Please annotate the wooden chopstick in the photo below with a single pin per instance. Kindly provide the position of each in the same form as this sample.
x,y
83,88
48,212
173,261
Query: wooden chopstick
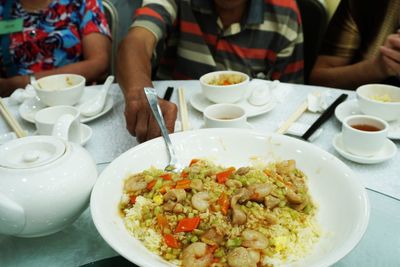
x,y
295,115
15,126
183,109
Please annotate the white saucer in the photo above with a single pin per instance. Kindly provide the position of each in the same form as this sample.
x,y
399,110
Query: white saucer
x,y
29,107
86,134
200,102
388,151
350,107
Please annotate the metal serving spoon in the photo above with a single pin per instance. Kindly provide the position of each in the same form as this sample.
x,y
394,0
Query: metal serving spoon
x,y
96,104
151,95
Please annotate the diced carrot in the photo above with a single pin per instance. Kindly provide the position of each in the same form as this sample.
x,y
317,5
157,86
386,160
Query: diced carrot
x,y
164,188
254,196
183,184
223,202
215,260
212,248
226,82
151,184
166,176
162,222
193,161
184,174
171,241
223,176
187,224
133,199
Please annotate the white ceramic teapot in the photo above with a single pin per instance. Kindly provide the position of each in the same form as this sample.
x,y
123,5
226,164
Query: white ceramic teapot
x,y
45,184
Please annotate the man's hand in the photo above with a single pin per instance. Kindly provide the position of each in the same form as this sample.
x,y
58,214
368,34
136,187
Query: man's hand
x,y
140,121
390,55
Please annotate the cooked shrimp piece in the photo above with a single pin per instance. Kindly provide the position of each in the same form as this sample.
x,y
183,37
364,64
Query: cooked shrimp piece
x,y
213,236
242,170
196,255
176,195
238,216
200,201
240,196
135,183
254,239
242,257
292,197
232,183
196,184
259,191
271,202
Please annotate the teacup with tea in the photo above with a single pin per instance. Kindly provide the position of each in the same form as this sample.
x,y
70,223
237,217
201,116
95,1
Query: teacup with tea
x,y
225,116
364,135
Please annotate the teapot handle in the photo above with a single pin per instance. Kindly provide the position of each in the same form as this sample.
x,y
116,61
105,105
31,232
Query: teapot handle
x,y
67,128
13,216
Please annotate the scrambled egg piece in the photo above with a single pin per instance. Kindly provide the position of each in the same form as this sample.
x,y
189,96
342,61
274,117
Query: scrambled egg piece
x,y
382,98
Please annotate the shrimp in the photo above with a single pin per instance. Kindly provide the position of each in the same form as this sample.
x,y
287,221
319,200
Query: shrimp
x,y
200,201
172,198
254,239
238,216
196,255
213,236
196,184
175,195
135,183
259,191
292,197
242,257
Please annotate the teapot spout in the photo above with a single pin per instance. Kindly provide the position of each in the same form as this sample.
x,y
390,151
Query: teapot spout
x,y
12,216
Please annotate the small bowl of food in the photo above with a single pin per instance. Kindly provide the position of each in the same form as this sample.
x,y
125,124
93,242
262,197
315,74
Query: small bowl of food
x,y
60,89
224,86
379,100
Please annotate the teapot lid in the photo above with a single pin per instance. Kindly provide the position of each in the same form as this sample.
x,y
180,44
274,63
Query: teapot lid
x,y
31,151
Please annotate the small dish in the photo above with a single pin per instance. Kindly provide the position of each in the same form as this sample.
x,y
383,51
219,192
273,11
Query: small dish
x,y
388,151
200,103
351,107
86,134
29,107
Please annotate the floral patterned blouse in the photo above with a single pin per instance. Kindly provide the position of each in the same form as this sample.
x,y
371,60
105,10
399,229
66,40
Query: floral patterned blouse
x,y
52,37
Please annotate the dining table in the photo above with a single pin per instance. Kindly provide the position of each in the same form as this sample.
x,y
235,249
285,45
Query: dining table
x,y
80,243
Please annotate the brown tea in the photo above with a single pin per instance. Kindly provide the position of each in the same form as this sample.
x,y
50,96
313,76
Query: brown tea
x,y
366,127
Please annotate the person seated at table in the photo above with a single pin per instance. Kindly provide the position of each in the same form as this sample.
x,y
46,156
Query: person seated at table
x,y
44,37
190,38
361,45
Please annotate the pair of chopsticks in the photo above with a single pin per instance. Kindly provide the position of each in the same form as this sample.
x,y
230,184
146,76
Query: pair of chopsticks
x,y
324,116
321,119
15,126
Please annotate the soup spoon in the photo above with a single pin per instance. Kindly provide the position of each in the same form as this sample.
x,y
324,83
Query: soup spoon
x,y
96,104
151,95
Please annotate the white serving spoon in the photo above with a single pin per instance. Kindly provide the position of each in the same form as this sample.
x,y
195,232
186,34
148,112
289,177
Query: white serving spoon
x,y
96,104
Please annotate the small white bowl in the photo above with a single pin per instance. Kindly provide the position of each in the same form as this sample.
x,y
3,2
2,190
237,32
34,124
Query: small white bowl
x,y
368,100
224,93
60,89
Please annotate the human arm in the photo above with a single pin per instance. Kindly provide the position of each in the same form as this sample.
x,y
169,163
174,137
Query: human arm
x,y
93,66
328,69
134,73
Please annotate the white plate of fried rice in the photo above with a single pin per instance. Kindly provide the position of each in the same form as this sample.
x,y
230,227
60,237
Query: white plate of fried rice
x,y
335,218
